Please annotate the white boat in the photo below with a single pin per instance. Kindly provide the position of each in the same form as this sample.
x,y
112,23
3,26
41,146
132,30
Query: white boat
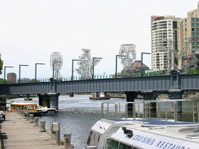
x,y
144,131
47,111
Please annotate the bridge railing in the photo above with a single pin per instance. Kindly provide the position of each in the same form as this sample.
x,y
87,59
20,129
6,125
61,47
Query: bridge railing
x,y
166,111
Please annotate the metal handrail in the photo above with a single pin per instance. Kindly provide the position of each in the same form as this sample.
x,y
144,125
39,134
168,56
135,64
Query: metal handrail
x,y
146,105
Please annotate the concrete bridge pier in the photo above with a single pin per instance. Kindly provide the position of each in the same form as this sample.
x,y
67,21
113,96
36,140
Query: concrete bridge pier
x,y
176,94
54,97
130,97
49,100
150,95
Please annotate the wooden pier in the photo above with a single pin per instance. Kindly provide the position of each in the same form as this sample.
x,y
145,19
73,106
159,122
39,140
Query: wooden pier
x,y
21,134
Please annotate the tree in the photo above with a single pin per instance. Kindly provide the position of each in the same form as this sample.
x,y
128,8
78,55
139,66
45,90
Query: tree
x,y
1,66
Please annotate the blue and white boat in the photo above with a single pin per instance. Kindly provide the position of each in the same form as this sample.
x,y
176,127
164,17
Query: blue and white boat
x,y
172,124
44,111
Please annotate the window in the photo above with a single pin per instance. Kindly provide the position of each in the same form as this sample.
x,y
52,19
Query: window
x,y
192,24
112,144
89,138
192,20
197,20
197,24
193,29
124,146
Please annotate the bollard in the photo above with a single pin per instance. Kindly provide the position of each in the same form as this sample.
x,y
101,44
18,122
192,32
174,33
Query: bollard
x,y
52,132
42,126
28,116
31,118
25,115
67,139
36,119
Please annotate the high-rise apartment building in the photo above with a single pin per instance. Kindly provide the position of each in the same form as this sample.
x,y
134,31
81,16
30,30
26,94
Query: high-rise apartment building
x,y
12,77
188,36
163,42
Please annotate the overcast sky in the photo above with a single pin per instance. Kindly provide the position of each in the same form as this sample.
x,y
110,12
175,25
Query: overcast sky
x,y
30,30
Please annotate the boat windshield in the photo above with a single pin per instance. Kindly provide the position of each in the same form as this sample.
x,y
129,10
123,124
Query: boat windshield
x,y
112,144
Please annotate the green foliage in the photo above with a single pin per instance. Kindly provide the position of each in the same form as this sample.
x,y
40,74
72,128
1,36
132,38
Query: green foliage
x,y
7,82
193,71
1,66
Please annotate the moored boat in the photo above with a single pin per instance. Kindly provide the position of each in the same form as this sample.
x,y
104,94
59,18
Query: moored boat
x,y
139,126
99,96
47,111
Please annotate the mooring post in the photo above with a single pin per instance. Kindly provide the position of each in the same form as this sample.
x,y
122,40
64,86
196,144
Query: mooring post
x,y
57,133
28,116
42,126
56,129
67,139
31,118
36,119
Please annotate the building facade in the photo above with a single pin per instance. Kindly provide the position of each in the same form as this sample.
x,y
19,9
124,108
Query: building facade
x,y
12,77
164,43
188,37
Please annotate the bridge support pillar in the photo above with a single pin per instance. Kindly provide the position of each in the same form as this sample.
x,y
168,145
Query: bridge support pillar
x,y
150,95
44,100
176,94
130,97
53,97
49,100
71,94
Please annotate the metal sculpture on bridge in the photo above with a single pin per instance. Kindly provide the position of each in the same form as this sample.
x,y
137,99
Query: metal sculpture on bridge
x,y
129,52
86,64
190,56
56,63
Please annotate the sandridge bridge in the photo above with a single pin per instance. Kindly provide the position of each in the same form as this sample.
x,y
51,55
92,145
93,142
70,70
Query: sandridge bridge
x,y
149,87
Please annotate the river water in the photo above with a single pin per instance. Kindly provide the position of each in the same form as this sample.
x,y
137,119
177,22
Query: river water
x,y
76,116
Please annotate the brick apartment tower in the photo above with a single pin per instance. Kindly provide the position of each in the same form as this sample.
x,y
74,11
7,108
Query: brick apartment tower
x,y
12,77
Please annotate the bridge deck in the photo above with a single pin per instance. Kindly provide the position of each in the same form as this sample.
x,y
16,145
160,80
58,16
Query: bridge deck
x,y
23,135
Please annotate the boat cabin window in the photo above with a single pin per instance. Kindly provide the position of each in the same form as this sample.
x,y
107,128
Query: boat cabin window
x,y
124,146
112,144
89,138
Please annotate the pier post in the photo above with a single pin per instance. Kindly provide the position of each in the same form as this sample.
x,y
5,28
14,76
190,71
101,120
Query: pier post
x,y
67,140
130,97
42,126
31,118
36,119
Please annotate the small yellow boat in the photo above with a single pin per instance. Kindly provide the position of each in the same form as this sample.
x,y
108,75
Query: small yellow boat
x,y
29,107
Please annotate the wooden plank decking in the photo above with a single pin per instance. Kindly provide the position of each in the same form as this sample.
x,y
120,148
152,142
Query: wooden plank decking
x,y
23,135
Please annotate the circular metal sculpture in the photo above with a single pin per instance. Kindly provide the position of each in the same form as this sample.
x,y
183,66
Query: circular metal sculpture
x,y
56,63
86,64
129,52
190,56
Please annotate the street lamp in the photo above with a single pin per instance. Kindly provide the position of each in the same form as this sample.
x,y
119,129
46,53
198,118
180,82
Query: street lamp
x,y
73,67
4,81
36,70
20,71
116,63
94,65
142,62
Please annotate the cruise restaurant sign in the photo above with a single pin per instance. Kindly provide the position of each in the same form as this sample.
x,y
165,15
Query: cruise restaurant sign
x,y
152,141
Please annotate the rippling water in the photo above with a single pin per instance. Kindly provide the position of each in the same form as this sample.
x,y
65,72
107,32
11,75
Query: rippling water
x,y
76,116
